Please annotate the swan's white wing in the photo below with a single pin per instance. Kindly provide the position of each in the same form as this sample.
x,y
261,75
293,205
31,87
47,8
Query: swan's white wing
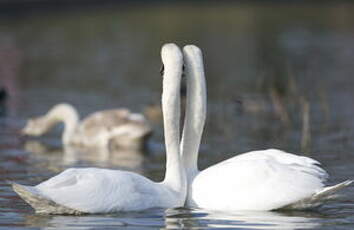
x,y
298,163
94,190
259,180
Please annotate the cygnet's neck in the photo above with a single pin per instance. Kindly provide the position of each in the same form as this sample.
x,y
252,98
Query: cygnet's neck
x,y
68,115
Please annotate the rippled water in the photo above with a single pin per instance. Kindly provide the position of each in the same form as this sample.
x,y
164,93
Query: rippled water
x,y
269,68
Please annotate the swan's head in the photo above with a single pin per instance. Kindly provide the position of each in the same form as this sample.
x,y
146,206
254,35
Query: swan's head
x,y
192,51
35,127
193,59
171,57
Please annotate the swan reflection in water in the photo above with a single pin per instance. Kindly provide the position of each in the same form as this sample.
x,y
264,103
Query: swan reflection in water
x,y
243,219
179,218
56,158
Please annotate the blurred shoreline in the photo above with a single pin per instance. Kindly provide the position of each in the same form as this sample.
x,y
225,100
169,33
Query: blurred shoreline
x,y
11,6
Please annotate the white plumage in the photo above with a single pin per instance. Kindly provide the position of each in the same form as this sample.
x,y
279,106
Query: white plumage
x,y
95,190
258,180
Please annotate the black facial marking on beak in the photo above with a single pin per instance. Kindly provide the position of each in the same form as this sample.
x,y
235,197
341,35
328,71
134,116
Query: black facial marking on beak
x,y
162,70
183,71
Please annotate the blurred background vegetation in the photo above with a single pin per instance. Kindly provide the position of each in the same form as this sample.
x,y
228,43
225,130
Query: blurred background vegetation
x,y
279,73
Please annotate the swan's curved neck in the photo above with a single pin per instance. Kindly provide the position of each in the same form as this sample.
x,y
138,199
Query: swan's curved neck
x,y
175,175
195,110
68,115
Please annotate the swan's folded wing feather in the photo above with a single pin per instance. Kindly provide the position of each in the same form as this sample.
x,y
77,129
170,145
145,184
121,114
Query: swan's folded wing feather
x,y
259,180
94,190
87,189
64,179
297,163
78,189
301,163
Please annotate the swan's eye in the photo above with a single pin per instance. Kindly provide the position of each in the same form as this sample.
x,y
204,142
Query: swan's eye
x,y
162,70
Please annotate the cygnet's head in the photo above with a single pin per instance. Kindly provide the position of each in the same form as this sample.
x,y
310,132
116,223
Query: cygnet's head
x,y
59,113
35,127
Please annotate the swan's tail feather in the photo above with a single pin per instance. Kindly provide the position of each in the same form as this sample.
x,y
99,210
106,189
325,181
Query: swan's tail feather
x,y
40,204
319,198
327,192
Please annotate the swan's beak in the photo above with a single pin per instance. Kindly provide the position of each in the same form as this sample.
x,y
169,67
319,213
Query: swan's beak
x,y
162,70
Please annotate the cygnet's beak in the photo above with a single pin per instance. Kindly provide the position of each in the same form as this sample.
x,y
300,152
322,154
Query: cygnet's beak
x,y
23,131
21,134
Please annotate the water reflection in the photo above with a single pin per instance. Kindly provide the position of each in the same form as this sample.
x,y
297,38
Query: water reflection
x,y
73,222
240,220
177,219
153,218
57,158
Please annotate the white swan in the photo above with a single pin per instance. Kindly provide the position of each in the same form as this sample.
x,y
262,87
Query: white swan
x,y
94,190
117,127
258,180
